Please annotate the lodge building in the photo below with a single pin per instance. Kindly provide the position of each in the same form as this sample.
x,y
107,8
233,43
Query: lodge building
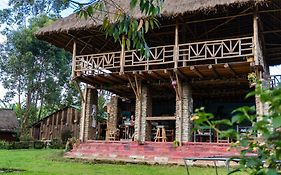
x,y
201,55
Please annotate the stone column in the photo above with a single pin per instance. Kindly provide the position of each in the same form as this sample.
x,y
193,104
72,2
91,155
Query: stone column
x,y
184,110
112,116
89,111
143,109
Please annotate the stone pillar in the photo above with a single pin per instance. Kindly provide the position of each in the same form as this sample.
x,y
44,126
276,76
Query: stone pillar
x,y
184,110
112,116
143,109
89,112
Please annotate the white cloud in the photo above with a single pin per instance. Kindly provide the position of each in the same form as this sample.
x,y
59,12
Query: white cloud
x,y
3,4
275,70
2,38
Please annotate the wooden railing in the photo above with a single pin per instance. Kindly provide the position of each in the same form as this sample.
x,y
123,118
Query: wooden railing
x,y
168,56
275,80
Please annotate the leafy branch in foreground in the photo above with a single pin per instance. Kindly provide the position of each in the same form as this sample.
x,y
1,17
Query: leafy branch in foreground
x,y
260,145
119,23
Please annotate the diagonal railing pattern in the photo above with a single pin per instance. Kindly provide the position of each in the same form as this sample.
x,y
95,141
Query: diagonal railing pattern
x,y
169,56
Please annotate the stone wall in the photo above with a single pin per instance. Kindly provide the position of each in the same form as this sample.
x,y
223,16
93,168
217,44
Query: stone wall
x,y
184,110
112,115
143,109
91,97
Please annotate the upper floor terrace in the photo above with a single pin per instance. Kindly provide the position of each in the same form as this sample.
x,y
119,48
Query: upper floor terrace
x,y
197,40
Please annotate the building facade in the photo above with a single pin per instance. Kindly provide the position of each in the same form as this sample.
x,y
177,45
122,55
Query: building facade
x,y
201,55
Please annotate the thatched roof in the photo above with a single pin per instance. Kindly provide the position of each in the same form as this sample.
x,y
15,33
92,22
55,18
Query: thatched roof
x,y
8,121
171,8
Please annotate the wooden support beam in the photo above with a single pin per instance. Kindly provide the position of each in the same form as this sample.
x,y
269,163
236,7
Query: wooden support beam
x,y
196,71
176,46
73,75
256,36
230,70
214,71
135,85
222,24
122,56
158,75
180,74
76,84
81,51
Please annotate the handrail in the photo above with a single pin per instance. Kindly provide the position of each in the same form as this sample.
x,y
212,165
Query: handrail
x,y
275,80
168,56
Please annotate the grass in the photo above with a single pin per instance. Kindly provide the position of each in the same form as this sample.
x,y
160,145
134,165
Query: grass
x,y
51,162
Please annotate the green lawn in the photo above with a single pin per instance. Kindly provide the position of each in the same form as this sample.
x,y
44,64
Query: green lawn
x,y
50,162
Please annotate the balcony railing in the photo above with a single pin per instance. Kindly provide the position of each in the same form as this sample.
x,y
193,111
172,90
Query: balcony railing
x,y
275,80
169,56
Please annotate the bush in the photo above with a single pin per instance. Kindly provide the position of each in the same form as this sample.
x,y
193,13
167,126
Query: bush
x,y
56,144
263,138
23,145
38,145
65,135
4,145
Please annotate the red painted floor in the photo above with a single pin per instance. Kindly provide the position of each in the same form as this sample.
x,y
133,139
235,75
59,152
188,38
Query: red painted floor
x,y
149,152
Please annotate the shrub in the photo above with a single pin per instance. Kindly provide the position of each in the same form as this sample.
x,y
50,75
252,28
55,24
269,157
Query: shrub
x,y
4,145
23,145
56,144
65,135
263,138
38,145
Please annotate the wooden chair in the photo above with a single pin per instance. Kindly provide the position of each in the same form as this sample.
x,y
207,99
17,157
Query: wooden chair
x,y
113,135
222,139
160,134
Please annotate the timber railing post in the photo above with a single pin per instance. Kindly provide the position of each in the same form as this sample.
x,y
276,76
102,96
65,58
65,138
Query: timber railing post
x,y
122,56
256,37
73,60
176,47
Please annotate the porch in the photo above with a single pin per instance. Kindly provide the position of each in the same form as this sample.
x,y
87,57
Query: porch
x,y
148,152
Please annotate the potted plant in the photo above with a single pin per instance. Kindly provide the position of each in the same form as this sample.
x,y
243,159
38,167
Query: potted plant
x,y
252,77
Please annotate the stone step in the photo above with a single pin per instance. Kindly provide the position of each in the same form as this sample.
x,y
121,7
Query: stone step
x,y
150,152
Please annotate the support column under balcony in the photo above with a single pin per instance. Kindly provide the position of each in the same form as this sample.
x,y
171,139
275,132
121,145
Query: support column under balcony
x,y
112,116
184,109
89,112
143,109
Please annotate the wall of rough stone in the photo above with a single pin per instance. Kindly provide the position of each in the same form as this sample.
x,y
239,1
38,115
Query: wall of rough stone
x,y
184,110
143,109
91,99
112,116
187,111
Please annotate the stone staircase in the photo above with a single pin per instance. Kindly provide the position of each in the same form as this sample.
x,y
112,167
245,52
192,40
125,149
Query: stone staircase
x,y
148,152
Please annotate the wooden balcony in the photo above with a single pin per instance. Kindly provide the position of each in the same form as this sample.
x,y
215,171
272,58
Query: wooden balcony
x,y
166,57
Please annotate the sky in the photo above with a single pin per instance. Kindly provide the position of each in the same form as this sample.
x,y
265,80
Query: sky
x,y
4,4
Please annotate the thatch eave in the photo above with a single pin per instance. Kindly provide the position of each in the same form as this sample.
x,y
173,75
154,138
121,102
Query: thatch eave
x,y
170,10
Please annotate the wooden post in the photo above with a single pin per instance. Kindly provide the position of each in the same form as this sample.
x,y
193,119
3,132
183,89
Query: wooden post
x,y
53,126
83,116
122,56
184,35
176,47
74,60
256,36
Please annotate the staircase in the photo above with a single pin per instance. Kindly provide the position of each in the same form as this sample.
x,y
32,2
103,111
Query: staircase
x,y
148,152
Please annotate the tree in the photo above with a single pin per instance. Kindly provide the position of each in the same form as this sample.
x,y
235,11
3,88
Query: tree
x,y
263,138
117,21
35,70
29,66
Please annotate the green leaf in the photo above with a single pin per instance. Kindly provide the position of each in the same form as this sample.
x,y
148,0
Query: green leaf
x,y
146,26
276,122
133,4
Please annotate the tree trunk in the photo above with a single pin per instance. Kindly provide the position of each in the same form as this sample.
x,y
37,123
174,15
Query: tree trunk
x,y
24,125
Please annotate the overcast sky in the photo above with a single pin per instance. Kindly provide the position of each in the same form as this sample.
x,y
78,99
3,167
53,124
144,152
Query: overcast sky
x,y
4,4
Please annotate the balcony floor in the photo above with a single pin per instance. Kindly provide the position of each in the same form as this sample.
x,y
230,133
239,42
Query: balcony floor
x,y
218,76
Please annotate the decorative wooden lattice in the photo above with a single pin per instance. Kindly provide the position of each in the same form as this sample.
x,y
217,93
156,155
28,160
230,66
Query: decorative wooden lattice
x,y
169,56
